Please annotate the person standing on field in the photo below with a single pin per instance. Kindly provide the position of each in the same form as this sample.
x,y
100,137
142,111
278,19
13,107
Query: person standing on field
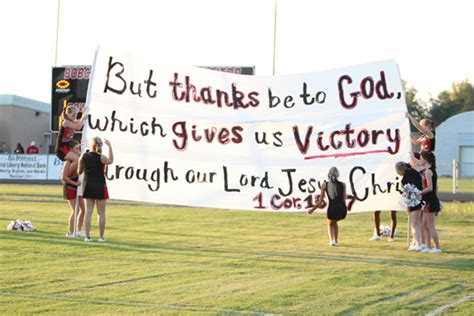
x,y
92,163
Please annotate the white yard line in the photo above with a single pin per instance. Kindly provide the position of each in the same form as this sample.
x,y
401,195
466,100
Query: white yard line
x,y
441,309
130,303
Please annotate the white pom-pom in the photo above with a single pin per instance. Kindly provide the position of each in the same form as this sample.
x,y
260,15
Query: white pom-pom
x,y
411,195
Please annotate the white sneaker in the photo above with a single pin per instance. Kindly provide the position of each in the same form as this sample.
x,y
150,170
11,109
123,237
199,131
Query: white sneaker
x,y
332,243
375,238
436,250
426,250
102,240
80,234
390,239
415,248
70,235
87,239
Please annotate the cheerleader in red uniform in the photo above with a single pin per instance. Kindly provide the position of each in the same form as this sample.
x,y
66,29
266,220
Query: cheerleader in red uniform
x,y
427,139
69,124
71,182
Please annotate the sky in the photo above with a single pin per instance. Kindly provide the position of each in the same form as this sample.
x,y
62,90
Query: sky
x,y
431,40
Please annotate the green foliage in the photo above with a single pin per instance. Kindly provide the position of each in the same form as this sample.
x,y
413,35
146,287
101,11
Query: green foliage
x,y
416,107
449,103
197,261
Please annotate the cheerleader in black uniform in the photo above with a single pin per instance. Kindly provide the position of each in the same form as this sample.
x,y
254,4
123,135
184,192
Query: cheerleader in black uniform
x,y
411,176
71,181
93,163
337,209
432,206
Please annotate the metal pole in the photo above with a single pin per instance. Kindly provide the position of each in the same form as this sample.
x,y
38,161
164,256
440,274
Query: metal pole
x,y
455,177
74,231
57,35
274,37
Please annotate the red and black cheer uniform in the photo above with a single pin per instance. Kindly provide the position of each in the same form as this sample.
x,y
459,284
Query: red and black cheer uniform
x,y
70,190
431,198
426,143
94,184
66,134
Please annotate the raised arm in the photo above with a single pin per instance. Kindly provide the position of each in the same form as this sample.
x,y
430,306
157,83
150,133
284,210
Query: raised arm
x,y
107,160
421,129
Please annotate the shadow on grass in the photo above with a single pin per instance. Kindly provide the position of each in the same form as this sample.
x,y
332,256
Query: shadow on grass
x,y
237,254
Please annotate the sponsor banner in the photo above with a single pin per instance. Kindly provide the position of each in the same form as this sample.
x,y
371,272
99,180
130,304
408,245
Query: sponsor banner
x,y
189,136
54,168
30,167
23,167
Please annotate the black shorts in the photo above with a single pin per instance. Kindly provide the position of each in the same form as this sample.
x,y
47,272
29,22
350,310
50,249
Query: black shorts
x,y
415,208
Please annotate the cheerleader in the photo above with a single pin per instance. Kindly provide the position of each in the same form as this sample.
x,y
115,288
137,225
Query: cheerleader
x,y
337,209
430,196
413,177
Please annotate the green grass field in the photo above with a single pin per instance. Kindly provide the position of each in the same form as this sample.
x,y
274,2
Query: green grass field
x,y
465,185
172,260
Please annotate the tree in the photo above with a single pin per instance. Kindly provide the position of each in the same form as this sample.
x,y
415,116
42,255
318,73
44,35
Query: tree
x,y
449,103
416,107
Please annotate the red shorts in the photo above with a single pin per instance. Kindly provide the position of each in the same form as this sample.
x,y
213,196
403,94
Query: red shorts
x,y
69,193
62,151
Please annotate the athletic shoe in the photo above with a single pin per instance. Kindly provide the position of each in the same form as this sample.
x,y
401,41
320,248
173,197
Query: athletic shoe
x,y
435,250
415,248
70,235
375,238
332,243
80,234
102,239
426,250
390,239
87,239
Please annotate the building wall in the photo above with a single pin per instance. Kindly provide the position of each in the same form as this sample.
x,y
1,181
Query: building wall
x,y
20,125
5,131
452,136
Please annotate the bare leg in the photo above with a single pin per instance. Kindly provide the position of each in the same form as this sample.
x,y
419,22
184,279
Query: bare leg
x,y
336,231
423,238
393,225
88,216
101,219
415,221
329,230
377,222
426,232
70,226
430,221
82,210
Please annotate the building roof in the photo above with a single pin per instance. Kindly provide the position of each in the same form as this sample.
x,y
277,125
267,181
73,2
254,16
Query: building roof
x,y
30,104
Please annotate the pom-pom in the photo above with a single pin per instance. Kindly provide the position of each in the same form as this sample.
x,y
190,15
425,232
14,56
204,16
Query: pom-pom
x,y
20,224
411,195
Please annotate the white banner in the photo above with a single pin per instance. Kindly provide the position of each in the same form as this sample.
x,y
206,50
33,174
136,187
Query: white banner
x,y
190,136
